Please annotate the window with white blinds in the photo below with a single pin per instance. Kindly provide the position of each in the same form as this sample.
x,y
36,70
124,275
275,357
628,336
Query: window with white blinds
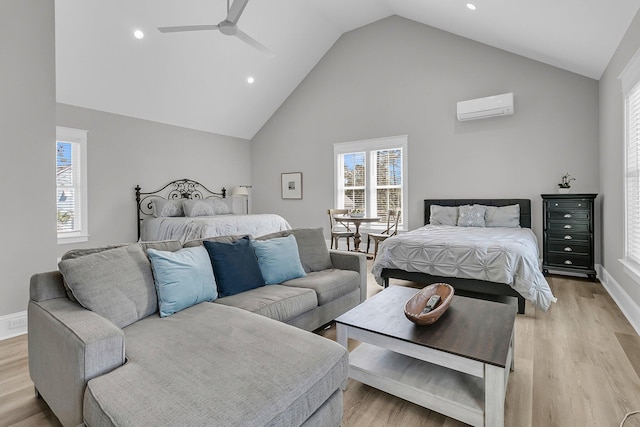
x,y
632,174
370,176
71,185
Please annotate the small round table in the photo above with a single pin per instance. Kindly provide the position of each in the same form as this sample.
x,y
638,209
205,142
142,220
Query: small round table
x,y
356,220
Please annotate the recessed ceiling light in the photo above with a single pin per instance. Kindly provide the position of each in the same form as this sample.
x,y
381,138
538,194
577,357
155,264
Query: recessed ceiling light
x,y
250,80
471,6
138,34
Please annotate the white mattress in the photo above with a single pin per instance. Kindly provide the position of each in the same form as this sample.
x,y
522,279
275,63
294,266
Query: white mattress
x,y
189,228
496,254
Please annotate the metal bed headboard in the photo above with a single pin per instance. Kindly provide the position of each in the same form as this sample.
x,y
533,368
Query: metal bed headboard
x,y
178,189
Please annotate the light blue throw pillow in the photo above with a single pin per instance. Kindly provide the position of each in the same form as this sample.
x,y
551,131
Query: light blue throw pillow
x,y
182,278
278,259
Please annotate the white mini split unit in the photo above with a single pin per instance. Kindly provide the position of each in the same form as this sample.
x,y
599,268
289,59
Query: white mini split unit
x,y
482,108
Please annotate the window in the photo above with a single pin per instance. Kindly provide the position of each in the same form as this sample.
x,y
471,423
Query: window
x,y
71,185
370,176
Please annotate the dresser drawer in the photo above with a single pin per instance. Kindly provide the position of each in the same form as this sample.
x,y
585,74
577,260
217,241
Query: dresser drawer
x,y
567,215
569,247
567,237
568,204
569,226
564,260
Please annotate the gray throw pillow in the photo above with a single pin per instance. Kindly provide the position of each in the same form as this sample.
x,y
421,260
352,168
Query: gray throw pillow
x,y
312,247
116,284
471,216
443,215
502,216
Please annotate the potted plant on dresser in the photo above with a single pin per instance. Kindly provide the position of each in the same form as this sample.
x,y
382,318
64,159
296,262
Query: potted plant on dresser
x,y
564,187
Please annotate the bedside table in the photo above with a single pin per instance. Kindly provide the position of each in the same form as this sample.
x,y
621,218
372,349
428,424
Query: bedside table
x,y
568,233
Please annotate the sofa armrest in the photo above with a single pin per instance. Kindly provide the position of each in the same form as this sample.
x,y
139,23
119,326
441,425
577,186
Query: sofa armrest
x,y
69,345
352,261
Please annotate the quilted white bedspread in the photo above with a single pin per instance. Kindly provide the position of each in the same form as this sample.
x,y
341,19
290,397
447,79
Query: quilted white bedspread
x,y
189,228
496,254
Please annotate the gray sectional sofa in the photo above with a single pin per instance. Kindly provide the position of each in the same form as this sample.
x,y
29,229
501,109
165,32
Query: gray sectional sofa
x,y
234,362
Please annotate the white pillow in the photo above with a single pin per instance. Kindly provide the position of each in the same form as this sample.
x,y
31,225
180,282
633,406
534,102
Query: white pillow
x,y
443,215
206,207
163,207
502,216
471,216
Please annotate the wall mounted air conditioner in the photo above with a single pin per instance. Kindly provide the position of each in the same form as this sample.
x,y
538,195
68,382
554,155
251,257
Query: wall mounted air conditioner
x,y
482,108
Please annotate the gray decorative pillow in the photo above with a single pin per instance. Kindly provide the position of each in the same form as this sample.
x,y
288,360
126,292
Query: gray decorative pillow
x,y
312,247
443,215
197,207
117,283
162,207
502,216
471,216
206,207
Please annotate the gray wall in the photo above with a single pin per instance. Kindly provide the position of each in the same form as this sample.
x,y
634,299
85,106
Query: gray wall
x,y
612,160
396,77
124,151
27,135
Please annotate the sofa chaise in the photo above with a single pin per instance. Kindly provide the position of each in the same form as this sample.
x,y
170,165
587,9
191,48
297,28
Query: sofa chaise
x,y
241,360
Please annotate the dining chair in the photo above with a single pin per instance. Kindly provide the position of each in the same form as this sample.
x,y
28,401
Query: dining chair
x,y
393,218
337,233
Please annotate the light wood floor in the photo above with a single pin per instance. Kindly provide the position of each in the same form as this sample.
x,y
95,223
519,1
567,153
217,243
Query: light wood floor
x,y
576,365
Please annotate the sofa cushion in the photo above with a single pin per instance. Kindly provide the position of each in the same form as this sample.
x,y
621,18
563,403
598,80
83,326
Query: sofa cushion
x,y
216,365
275,301
328,284
235,266
312,247
116,283
183,278
278,259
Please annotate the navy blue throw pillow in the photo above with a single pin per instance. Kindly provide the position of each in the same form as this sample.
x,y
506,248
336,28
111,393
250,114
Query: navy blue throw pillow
x,y
235,266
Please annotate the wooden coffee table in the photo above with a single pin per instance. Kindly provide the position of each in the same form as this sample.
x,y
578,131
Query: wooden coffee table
x,y
458,366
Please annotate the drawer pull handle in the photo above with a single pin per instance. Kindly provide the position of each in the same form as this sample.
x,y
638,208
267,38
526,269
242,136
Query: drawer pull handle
x,y
568,262
568,249
568,216
568,226
568,237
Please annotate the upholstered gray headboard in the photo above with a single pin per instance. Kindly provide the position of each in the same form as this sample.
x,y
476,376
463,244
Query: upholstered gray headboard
x,y
525,206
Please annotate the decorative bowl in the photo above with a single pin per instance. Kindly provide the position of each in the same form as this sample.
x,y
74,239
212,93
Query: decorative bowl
x,y
413,308
356,215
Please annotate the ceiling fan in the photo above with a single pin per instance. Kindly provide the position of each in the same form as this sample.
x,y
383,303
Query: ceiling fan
x,y
228,27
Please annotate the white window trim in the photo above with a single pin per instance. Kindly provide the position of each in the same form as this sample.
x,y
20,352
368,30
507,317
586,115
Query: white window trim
x,y
629,78
79,136
368,145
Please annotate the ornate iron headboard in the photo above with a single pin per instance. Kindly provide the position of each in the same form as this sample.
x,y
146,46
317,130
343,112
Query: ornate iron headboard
x,y
178,189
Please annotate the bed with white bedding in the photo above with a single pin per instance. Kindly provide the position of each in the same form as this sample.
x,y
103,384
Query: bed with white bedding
x,y
489,259
185,210
187,228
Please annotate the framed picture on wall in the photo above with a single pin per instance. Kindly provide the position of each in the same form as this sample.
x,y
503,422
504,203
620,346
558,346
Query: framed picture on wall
x,y
292,185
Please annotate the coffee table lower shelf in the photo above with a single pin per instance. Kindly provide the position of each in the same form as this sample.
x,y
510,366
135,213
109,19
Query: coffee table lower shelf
x,y
449,392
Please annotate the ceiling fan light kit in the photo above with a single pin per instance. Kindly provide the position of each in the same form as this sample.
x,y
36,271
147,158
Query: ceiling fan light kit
x,y
228,27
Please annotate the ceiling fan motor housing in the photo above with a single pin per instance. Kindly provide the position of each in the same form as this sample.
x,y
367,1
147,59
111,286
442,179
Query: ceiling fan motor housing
x,y
228,28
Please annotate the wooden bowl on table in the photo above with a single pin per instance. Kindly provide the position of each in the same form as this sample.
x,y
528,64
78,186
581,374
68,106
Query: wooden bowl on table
x,y
413,308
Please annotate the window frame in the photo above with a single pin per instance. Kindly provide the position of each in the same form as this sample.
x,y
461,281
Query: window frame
x,y
370,147
78,139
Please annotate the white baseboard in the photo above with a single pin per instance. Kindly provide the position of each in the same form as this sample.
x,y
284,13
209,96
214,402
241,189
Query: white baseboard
x,y
629,308
8,329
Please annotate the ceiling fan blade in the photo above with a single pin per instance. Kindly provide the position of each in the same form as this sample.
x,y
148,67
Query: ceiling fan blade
x,y
254,43
187,28
236,10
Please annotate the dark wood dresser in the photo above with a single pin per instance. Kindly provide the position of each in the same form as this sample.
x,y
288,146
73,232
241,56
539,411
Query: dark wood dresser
x,y
568,233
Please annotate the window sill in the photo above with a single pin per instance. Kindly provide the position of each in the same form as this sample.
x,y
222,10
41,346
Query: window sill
x,y
631,269
75,238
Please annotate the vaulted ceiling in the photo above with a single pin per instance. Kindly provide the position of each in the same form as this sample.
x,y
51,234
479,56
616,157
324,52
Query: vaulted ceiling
x,y
198,79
